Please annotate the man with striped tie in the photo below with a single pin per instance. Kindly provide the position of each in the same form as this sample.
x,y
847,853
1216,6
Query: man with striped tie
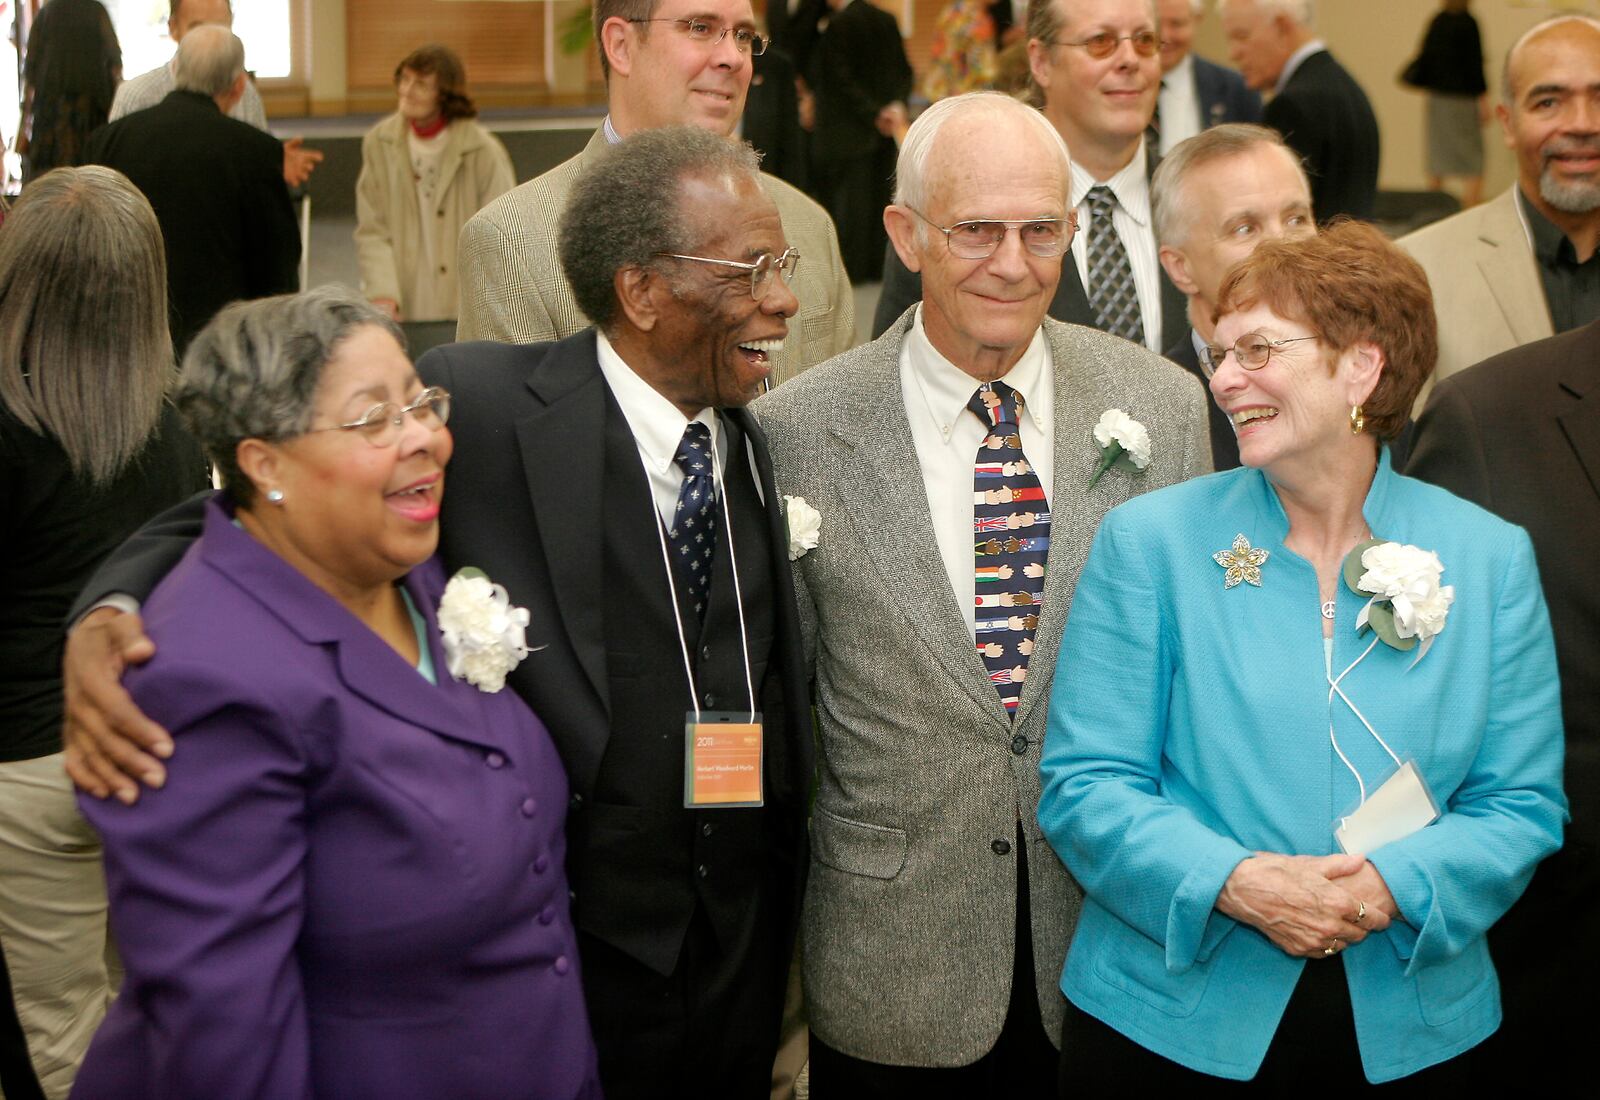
x,y
954,464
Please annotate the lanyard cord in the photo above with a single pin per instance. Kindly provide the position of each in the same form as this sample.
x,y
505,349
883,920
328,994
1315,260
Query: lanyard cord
x,y
1335,689
738,595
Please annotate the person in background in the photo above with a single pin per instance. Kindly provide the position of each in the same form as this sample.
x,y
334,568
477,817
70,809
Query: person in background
x,y
70,72
1216,197
425,170
148,89
1195,93
89,450
1449,67
353,881
1263,663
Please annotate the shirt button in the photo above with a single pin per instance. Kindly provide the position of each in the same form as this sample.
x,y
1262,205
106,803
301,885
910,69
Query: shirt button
x,y
541,864
702,870
529,807
705,653
575,802
1019,744
495,761
547,915
709,700
707,829
561,965
1001,847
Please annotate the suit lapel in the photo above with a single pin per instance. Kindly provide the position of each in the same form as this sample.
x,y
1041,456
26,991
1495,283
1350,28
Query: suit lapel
x,y
1506,263
891,518
1581,425
1071,303
563,455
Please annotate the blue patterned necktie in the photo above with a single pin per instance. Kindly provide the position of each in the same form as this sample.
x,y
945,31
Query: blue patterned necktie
x,y
693,534
1011,540
1112,295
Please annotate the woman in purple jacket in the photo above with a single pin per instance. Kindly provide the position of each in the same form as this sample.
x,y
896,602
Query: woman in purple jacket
x,y
351,884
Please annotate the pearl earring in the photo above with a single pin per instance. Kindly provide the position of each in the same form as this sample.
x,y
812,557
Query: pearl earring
x,y
275,496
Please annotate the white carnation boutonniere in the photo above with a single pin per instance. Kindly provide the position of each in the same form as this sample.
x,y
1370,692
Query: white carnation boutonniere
x,y
805,526
1406,605
483,633
1123,442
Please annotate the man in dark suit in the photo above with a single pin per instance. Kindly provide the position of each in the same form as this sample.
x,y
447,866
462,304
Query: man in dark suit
x,y
860,77
1316,105
216,185
1195,93
1520,435
771,119
585,472
1216,197
1101,106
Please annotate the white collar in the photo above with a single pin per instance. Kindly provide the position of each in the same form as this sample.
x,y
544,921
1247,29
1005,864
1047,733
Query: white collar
x,y
1296,59
1130,185
612,137
1182,71
656,423
946,388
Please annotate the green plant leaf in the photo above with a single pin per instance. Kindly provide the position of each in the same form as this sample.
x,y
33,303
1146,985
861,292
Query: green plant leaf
x,y
575,33
1353,569
467,572
1382,620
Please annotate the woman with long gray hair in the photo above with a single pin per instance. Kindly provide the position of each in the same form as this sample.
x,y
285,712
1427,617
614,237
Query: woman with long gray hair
x,y
89,449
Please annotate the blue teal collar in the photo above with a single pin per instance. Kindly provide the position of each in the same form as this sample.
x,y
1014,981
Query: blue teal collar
x,y
1376,510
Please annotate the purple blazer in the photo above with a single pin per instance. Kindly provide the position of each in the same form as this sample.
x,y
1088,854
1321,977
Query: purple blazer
x,y
352,883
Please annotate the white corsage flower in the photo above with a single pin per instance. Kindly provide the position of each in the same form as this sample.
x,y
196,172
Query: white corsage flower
x,y
1407,603
805,526
1123,442
483,634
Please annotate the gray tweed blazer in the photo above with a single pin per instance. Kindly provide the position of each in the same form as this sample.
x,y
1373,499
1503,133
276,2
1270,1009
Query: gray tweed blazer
x,y
909,917
513,289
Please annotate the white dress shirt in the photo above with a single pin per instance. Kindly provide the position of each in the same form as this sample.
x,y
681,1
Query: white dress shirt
x,y
1133,224
947,435
657,426
1296,59
1179,105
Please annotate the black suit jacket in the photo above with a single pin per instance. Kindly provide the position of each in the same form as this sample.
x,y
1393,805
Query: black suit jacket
x,y
217,188
1223,96
771,121
1519,434
1325,117
857,68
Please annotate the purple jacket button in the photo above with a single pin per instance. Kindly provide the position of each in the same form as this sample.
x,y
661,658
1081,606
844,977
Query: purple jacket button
x,y
495,761
529,806
562,965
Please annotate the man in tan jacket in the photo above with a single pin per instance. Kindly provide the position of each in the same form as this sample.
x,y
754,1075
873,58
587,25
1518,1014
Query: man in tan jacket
x,y
662,68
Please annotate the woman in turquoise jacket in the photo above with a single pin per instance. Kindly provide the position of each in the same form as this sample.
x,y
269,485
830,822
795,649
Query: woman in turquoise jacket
x,y
1260,658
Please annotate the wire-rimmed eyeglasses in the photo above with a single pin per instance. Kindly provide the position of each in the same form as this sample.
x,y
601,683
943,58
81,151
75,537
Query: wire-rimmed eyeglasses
x,y
711,31
980,238
1251,351
1103,45
761,269
382,424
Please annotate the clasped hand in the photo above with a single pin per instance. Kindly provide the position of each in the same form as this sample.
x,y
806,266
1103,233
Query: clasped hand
x,y
1308,904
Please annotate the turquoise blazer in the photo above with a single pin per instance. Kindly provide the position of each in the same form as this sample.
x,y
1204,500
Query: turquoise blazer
x,y
1189,729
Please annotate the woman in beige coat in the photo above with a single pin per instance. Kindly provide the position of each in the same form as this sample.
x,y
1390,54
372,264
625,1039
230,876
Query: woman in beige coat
x,y
425,170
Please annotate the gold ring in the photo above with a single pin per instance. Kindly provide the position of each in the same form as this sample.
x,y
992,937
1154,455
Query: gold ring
x,y
1326,951
1361,911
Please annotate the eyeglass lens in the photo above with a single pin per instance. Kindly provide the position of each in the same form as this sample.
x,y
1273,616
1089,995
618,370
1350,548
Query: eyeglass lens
x,y
382,424
1104,44
979,240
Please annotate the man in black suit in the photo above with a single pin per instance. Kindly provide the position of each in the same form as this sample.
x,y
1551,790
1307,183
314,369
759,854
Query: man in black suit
x,y
1520,435
1216,197
573,484
216,185
1316,105
1195,93
860,78
771,119
1101,104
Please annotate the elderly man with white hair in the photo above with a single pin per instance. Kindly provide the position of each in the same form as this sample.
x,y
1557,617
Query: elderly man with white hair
x,y
958,467
1316,104
1195,93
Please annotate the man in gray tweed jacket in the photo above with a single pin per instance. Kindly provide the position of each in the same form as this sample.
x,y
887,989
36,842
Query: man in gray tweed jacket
x,y
936,918
662,68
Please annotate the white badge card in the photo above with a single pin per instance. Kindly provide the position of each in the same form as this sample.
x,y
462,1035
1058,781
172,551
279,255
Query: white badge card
x,y
1397,809
722,756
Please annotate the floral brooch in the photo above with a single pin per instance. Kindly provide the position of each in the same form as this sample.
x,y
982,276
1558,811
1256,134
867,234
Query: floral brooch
x,y
805,526
483,633
1123,443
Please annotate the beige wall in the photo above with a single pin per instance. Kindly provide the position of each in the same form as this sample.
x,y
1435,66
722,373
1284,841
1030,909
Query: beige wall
x,y
1375,38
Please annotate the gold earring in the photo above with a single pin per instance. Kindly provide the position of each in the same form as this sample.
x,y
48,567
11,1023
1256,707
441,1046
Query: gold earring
x,y
1358,423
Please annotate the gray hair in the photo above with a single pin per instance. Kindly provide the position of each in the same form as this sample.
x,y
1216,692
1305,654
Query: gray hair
x,y
1167,198
85,351
912,170
1507,96
624,208
210,59
1303,12
253,372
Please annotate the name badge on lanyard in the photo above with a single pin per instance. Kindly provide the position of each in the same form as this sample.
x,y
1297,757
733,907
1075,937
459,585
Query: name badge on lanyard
x,y
722,756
